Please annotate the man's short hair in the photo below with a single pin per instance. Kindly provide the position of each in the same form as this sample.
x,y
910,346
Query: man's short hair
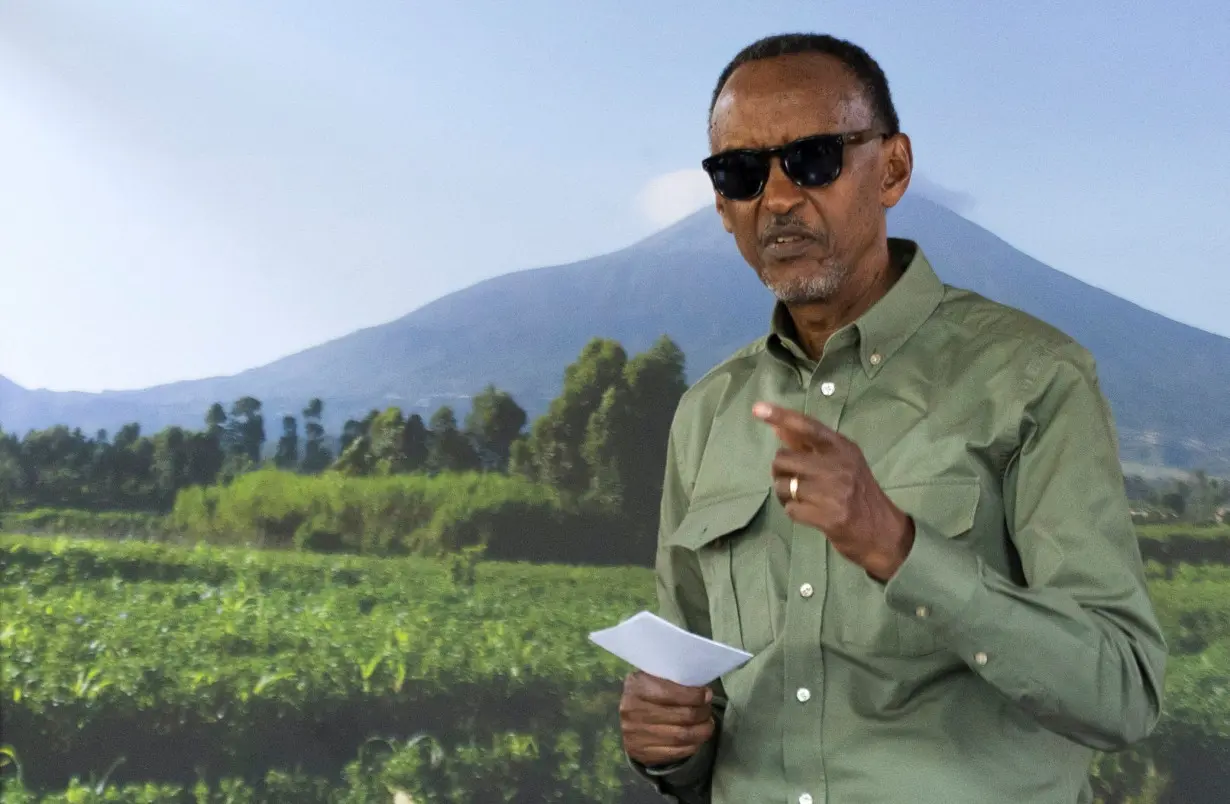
x,y
857,60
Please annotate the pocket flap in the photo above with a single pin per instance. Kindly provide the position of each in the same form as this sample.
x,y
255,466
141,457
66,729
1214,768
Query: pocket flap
x,y
711,520
946,506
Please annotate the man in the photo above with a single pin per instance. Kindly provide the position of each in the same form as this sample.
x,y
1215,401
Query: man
x,y
905,501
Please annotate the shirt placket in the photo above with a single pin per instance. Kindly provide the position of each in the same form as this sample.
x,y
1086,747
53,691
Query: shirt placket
x,y
827,389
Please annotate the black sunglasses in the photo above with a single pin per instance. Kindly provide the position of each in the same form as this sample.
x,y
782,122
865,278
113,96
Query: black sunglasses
x,y
815,161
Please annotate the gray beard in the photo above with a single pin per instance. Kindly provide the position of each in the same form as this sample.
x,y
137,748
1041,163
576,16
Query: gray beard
x,y
819,287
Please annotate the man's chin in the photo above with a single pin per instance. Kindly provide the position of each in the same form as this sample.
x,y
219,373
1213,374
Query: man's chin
x,y
809,290
797,297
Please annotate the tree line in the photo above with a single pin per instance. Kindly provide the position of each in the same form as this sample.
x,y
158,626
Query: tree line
x,y
601,443
1197,499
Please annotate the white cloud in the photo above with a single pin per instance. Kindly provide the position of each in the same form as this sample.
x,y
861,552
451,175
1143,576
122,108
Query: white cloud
x,y
673,196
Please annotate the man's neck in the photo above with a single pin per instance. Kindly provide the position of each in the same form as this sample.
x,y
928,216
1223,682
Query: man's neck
x,y
815,323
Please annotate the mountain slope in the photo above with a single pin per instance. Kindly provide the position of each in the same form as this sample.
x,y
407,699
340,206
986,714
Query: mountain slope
x,y
520,330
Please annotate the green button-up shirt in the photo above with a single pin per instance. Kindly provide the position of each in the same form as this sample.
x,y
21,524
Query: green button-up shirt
x,y
1018,636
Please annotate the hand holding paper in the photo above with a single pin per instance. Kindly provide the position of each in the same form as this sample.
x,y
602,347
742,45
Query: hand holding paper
x,y
665,650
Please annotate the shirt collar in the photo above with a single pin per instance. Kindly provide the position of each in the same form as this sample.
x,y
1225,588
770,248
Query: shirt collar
x,y
884,328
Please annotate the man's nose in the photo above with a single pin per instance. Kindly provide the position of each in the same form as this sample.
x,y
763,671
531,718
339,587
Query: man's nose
x,y
780,194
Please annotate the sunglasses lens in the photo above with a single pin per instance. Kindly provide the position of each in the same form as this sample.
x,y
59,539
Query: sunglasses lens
x,y
813,162
737,175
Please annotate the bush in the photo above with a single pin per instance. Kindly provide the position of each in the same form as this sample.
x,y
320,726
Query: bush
x,y
512,518
1171,546
92,524
397,515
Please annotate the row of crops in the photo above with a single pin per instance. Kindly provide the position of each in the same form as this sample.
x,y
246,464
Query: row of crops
x,y
140,672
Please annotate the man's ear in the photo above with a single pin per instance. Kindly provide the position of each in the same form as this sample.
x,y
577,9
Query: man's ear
x,y
898,168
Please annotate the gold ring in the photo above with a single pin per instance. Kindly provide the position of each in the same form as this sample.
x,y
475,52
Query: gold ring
x,y
794,488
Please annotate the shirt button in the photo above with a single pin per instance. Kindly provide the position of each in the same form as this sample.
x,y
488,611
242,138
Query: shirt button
x,y
805,590
804,695
875,358
805,799
827,388
980,657
922,611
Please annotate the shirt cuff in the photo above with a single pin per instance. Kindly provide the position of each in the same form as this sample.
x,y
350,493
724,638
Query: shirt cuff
x,y
937,581
682,781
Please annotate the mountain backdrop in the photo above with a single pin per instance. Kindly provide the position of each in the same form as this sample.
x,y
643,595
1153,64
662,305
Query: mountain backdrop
x,y
1169,384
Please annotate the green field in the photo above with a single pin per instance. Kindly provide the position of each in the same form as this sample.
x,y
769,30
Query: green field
x,y
216,674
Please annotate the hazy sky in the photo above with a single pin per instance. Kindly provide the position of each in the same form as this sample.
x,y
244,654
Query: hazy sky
x,y
193,188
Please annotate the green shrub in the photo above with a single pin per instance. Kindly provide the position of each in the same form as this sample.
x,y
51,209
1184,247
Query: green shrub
x,y
95,524
1173,545
396,515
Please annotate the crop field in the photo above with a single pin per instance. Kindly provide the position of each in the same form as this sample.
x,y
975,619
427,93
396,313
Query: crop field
x,y
139,672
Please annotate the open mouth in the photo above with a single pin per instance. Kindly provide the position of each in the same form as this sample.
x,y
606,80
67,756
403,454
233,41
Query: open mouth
x,y
787,247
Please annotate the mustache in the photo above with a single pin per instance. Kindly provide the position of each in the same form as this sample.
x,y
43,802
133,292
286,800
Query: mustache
x,y
790,227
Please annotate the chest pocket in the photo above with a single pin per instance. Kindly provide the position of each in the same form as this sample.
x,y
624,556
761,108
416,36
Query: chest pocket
x,y
865,621
729,538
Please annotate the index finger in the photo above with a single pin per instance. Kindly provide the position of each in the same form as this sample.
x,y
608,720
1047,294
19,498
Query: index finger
x,y
654,689
791,423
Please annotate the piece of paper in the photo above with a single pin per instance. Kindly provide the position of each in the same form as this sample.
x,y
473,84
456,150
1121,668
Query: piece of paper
x,y
663,649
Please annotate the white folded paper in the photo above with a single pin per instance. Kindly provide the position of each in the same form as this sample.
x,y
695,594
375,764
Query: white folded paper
x,y
665,650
